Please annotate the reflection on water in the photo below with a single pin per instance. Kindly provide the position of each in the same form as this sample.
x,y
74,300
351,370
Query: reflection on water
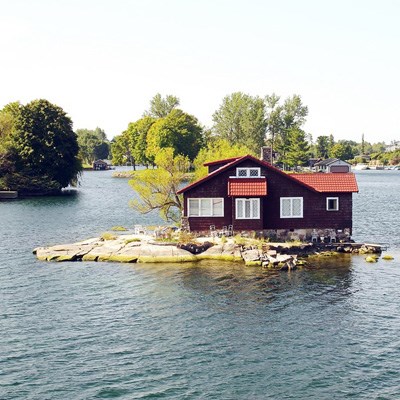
x,y
204,330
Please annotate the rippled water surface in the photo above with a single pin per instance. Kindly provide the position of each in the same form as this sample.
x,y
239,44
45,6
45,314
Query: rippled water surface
x,y
195,331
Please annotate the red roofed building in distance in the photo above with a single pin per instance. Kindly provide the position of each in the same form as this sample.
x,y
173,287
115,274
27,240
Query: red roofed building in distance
x,y
252,195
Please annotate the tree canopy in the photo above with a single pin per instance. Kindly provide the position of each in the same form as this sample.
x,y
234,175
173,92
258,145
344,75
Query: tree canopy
x,y
179,131
217,149
240,119
41,149
93,144
160,107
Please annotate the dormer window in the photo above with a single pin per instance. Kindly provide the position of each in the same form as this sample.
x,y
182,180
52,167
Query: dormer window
x,y
248,172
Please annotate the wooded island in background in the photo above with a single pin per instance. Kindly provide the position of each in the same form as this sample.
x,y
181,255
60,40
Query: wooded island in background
x,y
40,153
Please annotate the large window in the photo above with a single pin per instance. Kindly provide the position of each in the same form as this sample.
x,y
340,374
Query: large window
x,y
291,207
332,203
248,172
206,207
247,208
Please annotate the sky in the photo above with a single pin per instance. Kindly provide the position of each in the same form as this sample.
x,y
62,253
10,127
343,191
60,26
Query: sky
x,y
103,60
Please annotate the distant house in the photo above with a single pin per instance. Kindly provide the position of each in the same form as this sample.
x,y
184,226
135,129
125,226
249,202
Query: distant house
x,y
332,165
394,145
252,195
100,165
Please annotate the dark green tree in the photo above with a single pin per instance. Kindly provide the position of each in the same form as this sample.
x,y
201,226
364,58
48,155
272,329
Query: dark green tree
x,y
322,147
297,153
44,148
93,144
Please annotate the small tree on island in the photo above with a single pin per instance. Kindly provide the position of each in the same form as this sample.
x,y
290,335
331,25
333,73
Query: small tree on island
x,y
157,188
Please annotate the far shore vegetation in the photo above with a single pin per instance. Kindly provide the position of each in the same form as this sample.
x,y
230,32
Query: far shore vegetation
x,y
41,154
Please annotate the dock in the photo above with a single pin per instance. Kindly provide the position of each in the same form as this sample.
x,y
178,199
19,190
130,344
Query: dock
x,y
8,194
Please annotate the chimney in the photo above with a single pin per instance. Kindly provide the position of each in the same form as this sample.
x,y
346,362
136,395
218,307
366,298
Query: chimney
x,y
266,154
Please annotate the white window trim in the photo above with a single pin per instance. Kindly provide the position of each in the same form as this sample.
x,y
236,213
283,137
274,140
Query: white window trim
x,y
251,207
247,169
291,207
337,204
199,199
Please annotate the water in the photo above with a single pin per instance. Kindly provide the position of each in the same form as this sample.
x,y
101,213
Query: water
x,y
193,331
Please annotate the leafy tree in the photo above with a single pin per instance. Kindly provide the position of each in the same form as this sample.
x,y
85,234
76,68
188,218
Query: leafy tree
x,y
217,150
157,188
177,130
120,150
8,116
43,148
160,107
298,149
322,147
342,150
137,137
282,118
241,120
93,145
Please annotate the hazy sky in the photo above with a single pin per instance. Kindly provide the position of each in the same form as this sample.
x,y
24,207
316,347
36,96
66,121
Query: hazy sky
x,y
103,60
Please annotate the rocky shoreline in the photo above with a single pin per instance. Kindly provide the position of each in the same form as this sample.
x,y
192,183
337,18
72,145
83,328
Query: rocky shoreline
x,y
144,249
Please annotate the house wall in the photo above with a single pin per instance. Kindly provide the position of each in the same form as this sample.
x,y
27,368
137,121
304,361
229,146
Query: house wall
x,y
315,215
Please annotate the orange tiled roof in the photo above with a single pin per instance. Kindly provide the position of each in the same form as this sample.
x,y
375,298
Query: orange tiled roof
x,y
247,187
329,182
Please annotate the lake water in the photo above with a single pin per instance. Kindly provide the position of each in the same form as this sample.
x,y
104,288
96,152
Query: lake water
x,y
193,331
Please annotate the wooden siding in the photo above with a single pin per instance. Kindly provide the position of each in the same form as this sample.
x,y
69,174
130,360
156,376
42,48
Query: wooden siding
x,y
315,214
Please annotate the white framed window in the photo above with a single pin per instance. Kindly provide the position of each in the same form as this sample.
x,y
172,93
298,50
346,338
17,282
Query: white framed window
x,y
247,208
332,203
291,207
248,172
206,207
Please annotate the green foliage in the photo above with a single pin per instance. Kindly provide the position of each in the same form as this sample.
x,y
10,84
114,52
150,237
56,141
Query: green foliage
x,y
281,119
217,149
120,150
297,153
118,228
157,188
93,145
108,236
241,120
179,131
137,139
186,237
342,150
160,107
323,147
39,148
131,240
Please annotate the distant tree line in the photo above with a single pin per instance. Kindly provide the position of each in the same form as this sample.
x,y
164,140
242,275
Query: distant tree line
x,y
40,152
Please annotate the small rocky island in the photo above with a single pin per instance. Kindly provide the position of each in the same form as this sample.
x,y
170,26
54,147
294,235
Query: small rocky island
x,y
146,249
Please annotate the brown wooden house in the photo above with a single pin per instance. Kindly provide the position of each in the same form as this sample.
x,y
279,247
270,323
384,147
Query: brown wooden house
x,y
252,195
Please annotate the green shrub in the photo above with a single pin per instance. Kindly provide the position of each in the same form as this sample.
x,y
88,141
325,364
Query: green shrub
x,y
132,240
108,236
118,228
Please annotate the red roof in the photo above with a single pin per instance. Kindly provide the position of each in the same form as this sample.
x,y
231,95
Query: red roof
x,y
247,187
329,182
317,182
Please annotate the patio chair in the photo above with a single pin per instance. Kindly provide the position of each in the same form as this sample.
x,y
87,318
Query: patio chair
x,y
138,229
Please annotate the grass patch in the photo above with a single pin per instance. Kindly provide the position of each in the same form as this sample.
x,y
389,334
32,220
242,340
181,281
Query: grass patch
x,y
107,236
119,228
131,240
